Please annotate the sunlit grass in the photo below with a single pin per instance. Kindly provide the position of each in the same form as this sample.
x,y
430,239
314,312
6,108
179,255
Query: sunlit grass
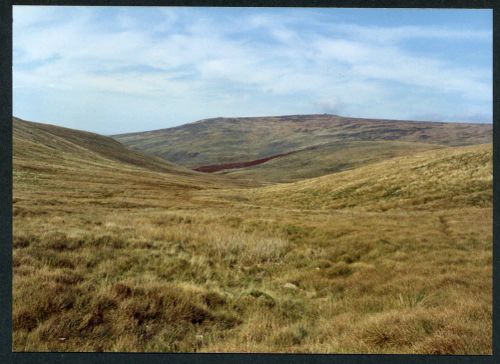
x,y
109,257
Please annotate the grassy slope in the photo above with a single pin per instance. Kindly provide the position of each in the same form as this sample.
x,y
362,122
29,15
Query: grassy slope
x,y
445,178
326,159
225,140
43,150
111,257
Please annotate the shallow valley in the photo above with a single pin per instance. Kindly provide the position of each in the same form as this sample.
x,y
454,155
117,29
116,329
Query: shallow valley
x,y
382,246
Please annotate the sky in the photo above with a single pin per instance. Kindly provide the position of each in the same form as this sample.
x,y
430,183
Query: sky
x,y
121,69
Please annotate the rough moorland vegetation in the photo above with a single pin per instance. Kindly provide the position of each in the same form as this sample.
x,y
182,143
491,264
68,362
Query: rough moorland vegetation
x,y
231,140
116,251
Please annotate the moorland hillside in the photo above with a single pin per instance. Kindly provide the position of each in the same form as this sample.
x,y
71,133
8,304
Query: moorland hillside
x,y
115,250
229,140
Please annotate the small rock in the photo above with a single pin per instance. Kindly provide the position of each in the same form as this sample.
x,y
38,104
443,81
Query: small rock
x,y
62,338
290,286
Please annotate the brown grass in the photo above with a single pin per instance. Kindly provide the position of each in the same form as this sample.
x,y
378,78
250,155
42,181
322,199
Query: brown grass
x,y
111,257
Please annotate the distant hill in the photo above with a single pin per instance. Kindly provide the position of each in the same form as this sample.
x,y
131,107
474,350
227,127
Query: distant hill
x,y
242,140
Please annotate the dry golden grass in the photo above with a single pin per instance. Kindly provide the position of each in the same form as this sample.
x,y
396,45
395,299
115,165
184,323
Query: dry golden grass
x,y
327,158
438,179
110,256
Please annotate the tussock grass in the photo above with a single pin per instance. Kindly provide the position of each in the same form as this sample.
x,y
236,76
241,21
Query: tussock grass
x,y
111,258
249,249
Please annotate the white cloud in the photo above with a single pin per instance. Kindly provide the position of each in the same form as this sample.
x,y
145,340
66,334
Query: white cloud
x,y
401,33
202,57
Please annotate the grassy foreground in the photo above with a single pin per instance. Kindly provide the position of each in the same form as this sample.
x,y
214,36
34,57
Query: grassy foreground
x,y
111,256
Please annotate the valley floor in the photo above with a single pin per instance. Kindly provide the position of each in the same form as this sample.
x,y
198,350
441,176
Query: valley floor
x,y
125,269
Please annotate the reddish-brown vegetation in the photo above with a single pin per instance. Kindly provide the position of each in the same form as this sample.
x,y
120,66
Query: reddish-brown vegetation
x,y
220,167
